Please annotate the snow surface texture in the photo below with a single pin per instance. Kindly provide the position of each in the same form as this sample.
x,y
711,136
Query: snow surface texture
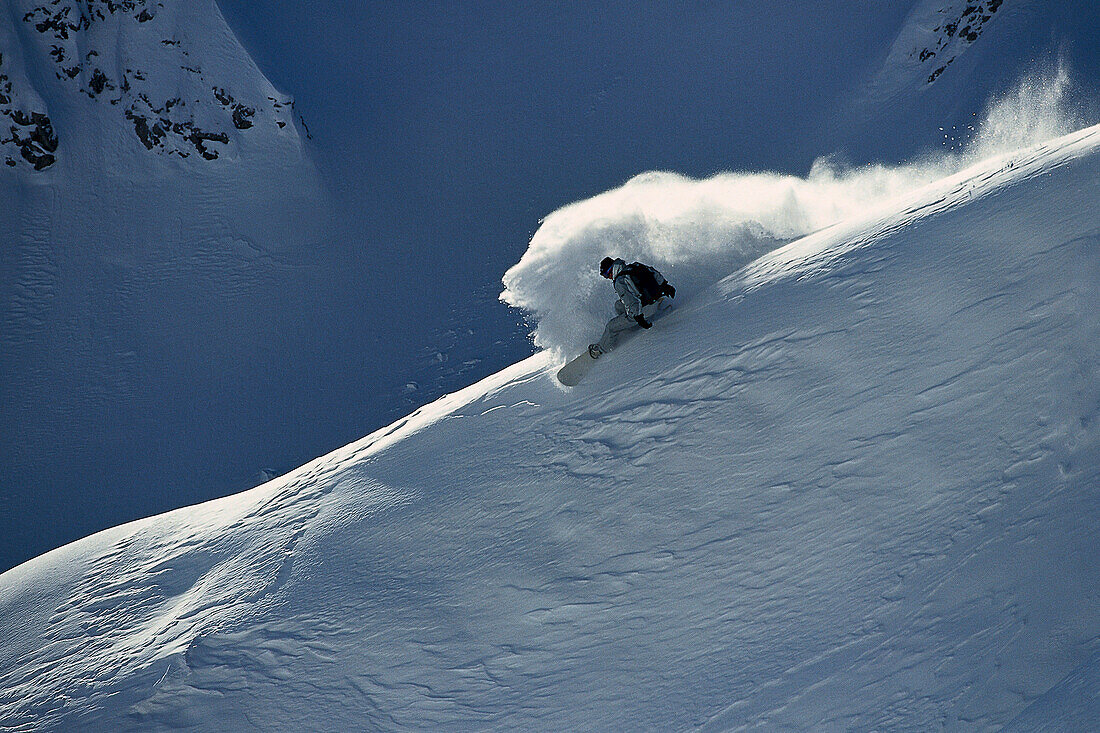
x,y
169,70
144,267
934,35
696,231
153,304
854,484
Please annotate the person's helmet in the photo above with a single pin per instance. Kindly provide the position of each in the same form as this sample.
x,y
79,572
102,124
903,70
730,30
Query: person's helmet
x,y
605,266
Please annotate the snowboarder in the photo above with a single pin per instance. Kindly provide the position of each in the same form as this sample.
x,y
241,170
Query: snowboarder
x,y
643,293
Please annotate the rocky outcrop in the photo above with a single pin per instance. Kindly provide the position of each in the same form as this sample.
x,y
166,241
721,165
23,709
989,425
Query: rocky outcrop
x,y
958,28
79,40
28,135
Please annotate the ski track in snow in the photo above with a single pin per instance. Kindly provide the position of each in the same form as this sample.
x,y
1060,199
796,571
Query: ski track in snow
x,y
852,486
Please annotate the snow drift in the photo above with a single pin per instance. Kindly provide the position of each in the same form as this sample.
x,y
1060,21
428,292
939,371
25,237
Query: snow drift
x,y
854,485
698,231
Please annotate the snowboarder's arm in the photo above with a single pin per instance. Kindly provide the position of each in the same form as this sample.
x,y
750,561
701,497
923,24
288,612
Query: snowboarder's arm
x,y
629,296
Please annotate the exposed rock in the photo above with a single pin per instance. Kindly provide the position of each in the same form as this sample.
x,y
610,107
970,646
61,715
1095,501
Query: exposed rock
x,y
935,74
99,82
32,133
150,136
242,116
198,138
39,160
957,31
43,134
162,125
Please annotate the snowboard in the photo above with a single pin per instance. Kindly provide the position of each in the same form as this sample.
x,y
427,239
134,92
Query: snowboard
x,y
573,372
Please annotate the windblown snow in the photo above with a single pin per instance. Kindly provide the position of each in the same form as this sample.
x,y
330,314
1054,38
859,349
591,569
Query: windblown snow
x,y
697,231
849,482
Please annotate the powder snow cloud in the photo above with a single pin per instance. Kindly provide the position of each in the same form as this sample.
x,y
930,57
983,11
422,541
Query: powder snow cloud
x,y
698,231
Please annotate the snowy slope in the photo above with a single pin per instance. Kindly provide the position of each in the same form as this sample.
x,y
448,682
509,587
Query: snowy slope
x,y
855,483
156,306
158,212
948,59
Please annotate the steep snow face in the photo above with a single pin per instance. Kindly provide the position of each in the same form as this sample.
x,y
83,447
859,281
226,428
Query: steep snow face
x,y
852,484
935,34
158,211
949,58
170,73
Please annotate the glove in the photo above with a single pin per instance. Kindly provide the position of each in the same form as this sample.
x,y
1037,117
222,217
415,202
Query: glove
x,y
642,321
668,290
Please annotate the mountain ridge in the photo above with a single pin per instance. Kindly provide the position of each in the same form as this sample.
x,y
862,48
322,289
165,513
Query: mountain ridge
x,y
139,59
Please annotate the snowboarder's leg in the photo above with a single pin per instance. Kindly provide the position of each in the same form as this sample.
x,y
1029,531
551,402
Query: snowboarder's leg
x,y
611,332
622,322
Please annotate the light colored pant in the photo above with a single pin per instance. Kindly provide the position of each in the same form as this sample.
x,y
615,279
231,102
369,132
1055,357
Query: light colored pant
x,y
622,322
